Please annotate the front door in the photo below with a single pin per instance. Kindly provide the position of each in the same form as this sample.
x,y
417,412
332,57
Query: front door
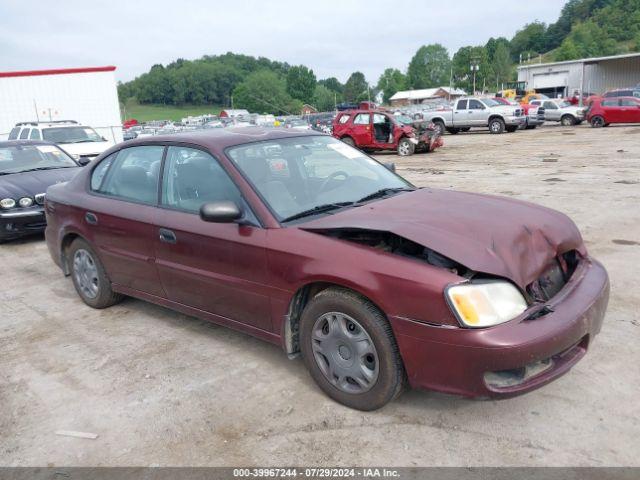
x,y
119,217
361,129
219,268
551,111
477,115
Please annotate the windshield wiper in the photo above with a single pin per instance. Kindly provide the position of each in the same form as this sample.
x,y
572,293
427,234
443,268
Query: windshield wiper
x,y
42,168
319,209
384,192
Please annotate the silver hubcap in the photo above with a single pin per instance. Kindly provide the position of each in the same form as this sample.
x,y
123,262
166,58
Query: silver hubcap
x,y
85,273
404,148
344,352
495,127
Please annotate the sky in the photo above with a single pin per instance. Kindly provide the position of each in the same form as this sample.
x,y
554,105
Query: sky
x,y
334,38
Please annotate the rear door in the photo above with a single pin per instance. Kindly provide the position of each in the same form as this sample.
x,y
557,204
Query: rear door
x,y
120,216
219,268
361,129
461,114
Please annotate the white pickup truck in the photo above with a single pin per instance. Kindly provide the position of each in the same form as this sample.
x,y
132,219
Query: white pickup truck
x,y
467,113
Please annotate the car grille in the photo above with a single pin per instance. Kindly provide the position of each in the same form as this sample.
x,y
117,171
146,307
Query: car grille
x,y
554,278
40,198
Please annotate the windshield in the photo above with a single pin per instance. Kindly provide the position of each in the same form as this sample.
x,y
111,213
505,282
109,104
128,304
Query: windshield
x,y
19,158
71,135
564,104
404,119
294,175
490,102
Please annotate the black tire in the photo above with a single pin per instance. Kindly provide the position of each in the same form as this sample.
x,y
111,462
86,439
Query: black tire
x,y
511,129
348,141
568,121
406,148
390,378
104,297
597,121
496,126
439,124
453,131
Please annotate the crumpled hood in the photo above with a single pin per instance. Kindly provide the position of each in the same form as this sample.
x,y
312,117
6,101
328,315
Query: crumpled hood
x,y
494,235
18,185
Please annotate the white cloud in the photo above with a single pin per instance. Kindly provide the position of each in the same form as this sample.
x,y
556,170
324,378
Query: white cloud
x,y
334,38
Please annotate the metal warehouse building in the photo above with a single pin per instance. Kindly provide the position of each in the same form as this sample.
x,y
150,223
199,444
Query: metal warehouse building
x,y
87,95
589,75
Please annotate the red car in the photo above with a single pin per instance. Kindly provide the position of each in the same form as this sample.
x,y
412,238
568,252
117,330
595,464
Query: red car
x,y
379,130
604,111
307,243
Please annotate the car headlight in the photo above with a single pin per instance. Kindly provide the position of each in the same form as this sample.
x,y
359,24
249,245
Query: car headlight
x,y
25,202
479,305
7,203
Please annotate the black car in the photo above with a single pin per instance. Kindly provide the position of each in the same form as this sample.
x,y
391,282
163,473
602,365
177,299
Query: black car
x,y
27,169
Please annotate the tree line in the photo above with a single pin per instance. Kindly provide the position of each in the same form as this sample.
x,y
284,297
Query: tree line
x,y
585,28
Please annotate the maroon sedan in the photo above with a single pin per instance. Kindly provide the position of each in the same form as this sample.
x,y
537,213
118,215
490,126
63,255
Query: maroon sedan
x,y
306,242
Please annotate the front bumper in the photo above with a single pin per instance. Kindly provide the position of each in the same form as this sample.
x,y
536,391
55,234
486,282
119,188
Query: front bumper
x,y
457,360
515,121
20,222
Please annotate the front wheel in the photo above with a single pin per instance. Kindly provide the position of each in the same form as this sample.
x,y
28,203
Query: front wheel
x,y
597,122
439,126
350,351
405,147
89,277
568,121
349,141
496,125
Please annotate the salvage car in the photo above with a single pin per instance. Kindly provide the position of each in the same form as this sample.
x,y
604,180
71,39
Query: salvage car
x,y
308,243
468,113
82,142
27,169
604,111
560,111
373,130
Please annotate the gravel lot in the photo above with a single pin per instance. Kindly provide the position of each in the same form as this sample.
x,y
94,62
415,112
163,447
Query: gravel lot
x,y
160,388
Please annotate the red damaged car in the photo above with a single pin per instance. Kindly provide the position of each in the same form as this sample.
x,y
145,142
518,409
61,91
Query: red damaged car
x,y
372,130
306,242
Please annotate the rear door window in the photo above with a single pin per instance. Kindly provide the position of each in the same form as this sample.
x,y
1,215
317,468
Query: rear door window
x,y
462,105
134,174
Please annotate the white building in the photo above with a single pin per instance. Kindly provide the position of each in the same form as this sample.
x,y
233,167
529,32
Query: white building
x,y
87,95
588,75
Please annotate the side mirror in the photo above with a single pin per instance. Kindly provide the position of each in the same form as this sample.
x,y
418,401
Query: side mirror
x,y
390,166
83,161
220,212
104,139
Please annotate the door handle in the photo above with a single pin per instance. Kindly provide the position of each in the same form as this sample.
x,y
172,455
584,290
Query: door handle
x,y
91,218
167,236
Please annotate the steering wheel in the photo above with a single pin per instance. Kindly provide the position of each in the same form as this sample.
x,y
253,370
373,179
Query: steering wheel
x,y
330,178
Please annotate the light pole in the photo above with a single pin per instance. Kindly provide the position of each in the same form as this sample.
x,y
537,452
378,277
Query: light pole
x,y
475,66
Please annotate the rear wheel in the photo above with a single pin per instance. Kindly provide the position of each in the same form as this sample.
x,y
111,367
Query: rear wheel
x,y
350,351
597,122
405,147
89,277
348,141
568,120
496,125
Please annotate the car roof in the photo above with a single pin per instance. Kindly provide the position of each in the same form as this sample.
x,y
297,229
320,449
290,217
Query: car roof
x,y
15,143
219,139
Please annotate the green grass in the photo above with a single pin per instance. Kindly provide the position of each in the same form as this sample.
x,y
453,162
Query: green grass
x,y
146,113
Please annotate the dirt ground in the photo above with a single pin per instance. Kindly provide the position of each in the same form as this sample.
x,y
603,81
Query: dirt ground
x,y
160,388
